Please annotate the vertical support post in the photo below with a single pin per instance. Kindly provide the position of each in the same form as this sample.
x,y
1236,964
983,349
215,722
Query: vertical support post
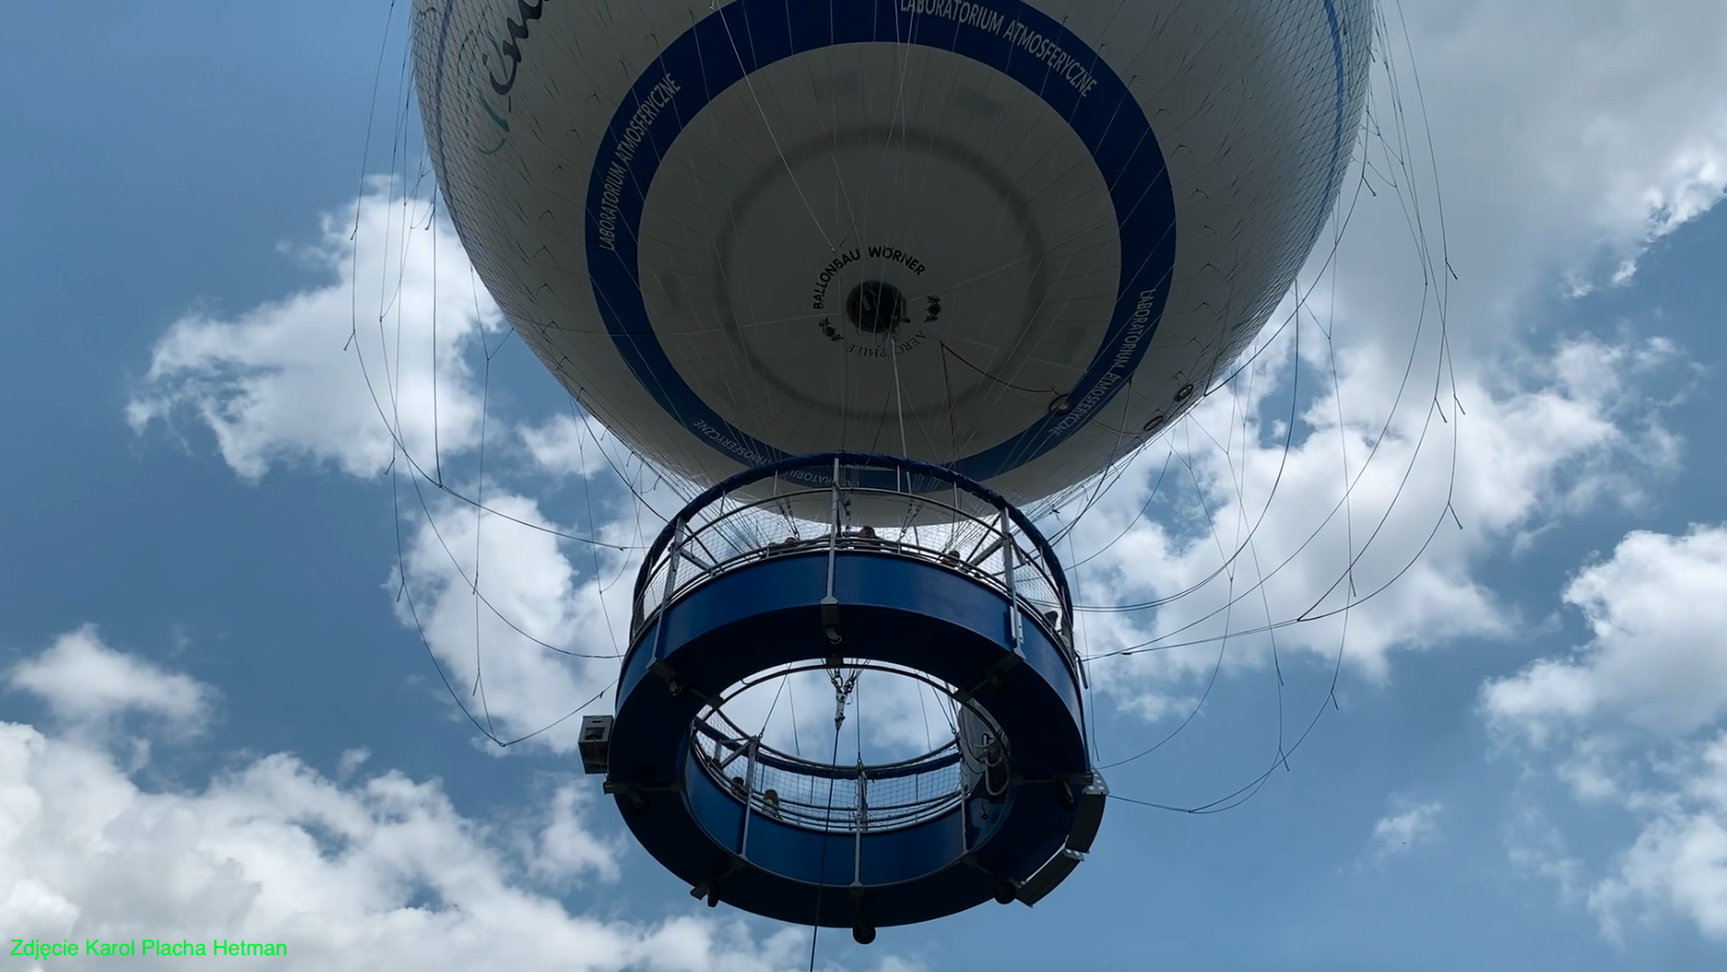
x,y
1009,547
673,555
1068,645
748,795
830,604
834,530
676,554
862,825
1073,655
967,786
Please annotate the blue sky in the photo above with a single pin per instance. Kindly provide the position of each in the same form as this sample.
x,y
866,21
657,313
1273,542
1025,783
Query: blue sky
x,y
214,720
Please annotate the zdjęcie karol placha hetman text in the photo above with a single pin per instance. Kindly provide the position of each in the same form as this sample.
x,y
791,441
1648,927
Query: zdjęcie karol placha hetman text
x,y
43,951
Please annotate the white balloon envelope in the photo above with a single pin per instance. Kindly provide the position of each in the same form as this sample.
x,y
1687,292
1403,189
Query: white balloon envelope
x,y
1011,237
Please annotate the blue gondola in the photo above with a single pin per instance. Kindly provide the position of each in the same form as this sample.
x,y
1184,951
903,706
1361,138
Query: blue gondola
x,y
1005,810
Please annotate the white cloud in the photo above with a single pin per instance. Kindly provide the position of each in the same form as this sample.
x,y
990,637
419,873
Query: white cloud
x,y
89,685
380,873
569,446
1399,833
1678,863
351,760
1657,609
1567,135
1549,164
1553,167
564,847
491,594
383,874
1536,847
1631,722
280,383
1571,431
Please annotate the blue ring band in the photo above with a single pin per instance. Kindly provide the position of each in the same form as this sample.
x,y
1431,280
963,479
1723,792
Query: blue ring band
x,y
743,37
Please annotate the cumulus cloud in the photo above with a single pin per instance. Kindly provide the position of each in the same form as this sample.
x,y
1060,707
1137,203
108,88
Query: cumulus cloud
x,y
1249,537
1568,135
1401,832
1549,166
352,759
525,634
1261,536
1556,172
1678,863
568,445
280,382
1657,659
89,685
1631,722
564,847
1537,847
382,872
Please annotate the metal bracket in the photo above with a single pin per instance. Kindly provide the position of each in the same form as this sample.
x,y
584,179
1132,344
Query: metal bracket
x,y
996,677
670,674
830,607
1087,818
711,889
1053,872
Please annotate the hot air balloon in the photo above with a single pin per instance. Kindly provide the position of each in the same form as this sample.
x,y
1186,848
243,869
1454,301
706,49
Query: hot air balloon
x,y
888,269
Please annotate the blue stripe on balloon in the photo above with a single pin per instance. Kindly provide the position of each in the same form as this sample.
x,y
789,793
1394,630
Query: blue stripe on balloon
x,y
1336,124
763,43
